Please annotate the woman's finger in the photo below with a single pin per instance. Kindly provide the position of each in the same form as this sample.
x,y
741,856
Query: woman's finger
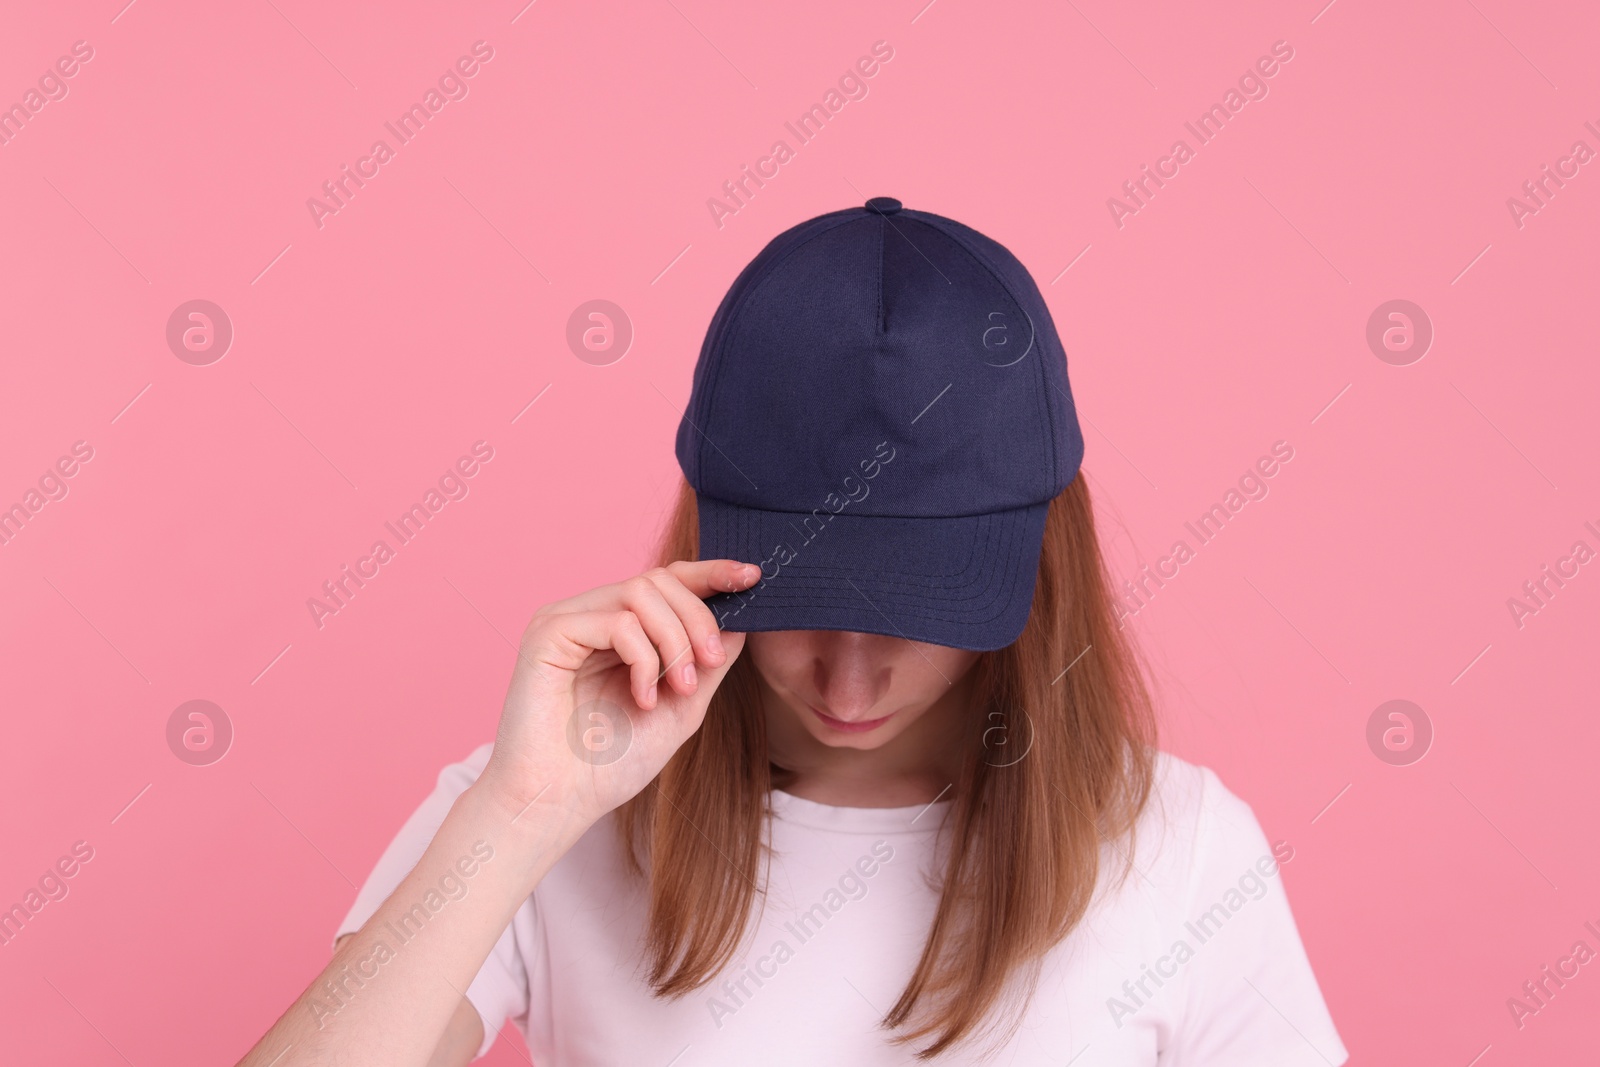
x,y
665,629
569,639
696,618
632,643
708,577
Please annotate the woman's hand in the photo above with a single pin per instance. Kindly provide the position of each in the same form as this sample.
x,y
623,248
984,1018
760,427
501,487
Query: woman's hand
x,y
607,685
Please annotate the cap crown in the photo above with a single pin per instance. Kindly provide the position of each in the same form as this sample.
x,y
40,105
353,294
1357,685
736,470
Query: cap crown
x,y
867,327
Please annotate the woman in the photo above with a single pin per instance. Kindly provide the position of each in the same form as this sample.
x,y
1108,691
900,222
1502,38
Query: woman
x,y
863,772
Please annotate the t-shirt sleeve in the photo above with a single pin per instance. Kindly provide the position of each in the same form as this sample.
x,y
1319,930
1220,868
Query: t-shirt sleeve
x,y
1251,999
500,990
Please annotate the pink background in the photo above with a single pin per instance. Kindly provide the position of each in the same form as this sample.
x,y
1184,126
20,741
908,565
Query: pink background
x,y
370,353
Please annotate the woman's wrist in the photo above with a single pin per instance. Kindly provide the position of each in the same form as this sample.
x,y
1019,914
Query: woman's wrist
x,y
531,834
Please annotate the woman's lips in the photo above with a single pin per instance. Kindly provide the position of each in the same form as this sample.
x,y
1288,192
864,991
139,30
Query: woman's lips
x,y
850,727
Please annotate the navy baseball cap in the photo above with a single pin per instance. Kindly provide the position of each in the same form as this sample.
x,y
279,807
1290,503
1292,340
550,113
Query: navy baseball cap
x,y
880,418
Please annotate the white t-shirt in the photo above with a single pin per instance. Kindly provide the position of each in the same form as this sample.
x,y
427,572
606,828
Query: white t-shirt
x,y
1194,961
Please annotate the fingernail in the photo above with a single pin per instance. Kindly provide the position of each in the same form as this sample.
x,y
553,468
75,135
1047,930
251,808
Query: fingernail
x,y
714,644
688,673
650,697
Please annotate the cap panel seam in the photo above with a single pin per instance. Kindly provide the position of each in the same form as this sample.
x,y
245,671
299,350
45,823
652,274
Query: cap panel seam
x,y
874,515
1042,401
986,513
883,326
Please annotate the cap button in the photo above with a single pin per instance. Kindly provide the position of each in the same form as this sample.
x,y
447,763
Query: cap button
x,y
883,205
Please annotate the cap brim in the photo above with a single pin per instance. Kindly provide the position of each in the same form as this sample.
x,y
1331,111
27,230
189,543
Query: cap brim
x,y
964,582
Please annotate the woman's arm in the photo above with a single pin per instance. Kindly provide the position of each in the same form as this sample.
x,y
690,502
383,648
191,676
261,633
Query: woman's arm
x,y
394,992
583,666
463,1034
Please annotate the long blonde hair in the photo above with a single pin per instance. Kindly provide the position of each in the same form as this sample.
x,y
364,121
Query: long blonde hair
x,y
1025,835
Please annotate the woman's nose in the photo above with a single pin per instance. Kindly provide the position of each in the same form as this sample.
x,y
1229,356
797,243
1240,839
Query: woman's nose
x,y
851,673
